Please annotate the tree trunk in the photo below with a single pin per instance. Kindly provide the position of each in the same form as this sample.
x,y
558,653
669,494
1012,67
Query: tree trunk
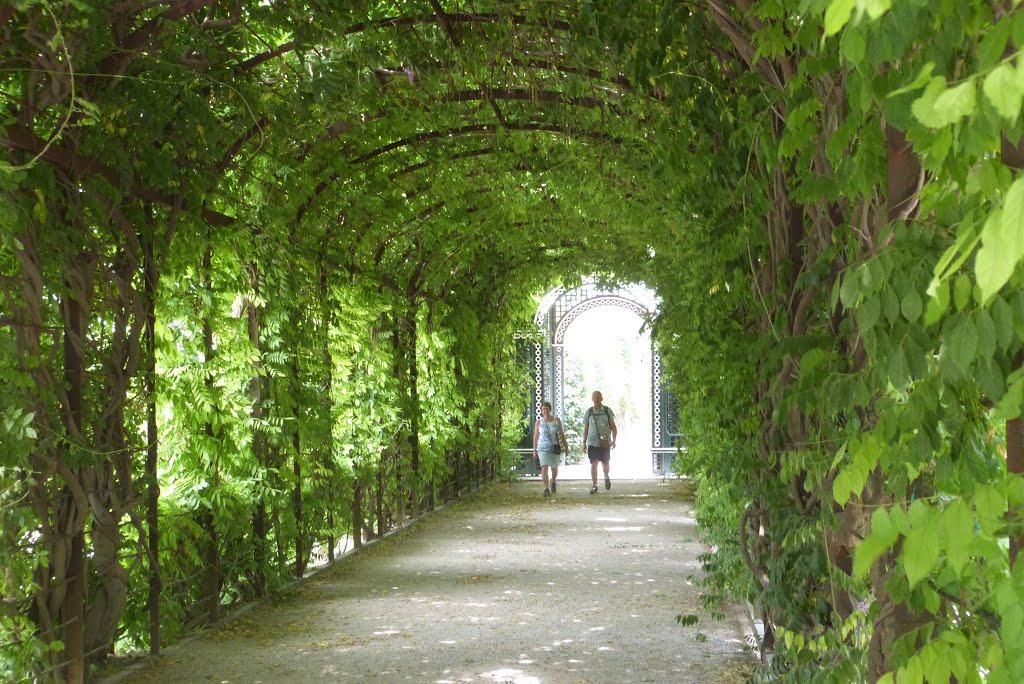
x,y
300,551
152,453
73,612
210,555
326,457
71,521
903,185
72,517
1015,464
1013,156
259,516
279,540
380,493
331,541
357,514
415,478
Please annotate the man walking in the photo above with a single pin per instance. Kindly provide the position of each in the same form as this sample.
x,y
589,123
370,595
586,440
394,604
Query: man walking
x,y
599,433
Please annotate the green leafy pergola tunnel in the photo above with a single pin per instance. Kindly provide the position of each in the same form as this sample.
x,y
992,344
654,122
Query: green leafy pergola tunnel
x,y
262,264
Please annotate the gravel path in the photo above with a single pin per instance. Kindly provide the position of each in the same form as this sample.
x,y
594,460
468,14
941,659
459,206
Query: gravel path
x,y
504,587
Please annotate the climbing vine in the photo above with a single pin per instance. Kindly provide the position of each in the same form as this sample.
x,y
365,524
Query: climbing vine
x,y
262,264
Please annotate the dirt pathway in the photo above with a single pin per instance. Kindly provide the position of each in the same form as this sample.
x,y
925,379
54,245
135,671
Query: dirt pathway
x,y
505,587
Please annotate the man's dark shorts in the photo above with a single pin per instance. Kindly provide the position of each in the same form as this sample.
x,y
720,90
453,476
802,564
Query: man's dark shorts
x,y
599,453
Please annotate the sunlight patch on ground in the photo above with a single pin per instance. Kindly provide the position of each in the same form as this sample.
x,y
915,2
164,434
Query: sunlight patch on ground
x,y
624,529
509,675
611,520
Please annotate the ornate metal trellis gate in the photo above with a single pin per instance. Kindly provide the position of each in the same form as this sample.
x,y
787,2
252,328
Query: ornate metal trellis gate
x,y
543,350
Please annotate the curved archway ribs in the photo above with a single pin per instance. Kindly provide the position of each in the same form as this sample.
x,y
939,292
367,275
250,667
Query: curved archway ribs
x,y
302,243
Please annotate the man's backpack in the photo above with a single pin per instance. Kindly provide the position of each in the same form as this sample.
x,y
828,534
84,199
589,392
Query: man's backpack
x,y
602,427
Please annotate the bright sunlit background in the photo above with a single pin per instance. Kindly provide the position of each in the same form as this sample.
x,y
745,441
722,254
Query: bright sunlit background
x,y
605,350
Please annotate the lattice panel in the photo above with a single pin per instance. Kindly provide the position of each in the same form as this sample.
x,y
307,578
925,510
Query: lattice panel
x,y
656,400
604,300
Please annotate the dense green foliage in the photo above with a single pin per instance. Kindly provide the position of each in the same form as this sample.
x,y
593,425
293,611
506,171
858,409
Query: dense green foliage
x,y
261,265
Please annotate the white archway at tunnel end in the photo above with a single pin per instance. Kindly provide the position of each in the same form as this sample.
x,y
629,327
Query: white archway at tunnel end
x,y
556,313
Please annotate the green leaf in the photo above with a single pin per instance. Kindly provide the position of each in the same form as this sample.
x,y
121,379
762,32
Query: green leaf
x,y
938,304
922,79
932,603
1009,407
812,360
890,305
1018,314
853,46
843,485
1017,27
986,334
850,290
939,149
962,289
939,106
1002,318
957,525
1003,90
1003,246
956,103
874,274
966,239
921,549
868,313
840,455
917,358
882,536
963,343
923,107
992,45
837,15
935,656
990,379
990,506
998,255
875,8
911,306
899,520
985,179
899,371
911,673
39,207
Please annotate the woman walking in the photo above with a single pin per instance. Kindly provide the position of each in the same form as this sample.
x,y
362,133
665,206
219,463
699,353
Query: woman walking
x,y
548,440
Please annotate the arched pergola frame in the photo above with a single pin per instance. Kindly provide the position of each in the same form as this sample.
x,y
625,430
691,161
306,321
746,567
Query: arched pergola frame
x,y
556,312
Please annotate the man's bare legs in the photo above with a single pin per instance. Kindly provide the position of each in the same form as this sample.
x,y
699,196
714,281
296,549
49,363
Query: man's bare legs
x,y
593,473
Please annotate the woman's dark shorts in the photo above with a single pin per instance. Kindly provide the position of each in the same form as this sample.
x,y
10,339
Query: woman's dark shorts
x,y
599,453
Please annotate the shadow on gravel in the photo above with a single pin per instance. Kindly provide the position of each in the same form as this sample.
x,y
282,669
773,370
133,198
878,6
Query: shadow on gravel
x,y
504,586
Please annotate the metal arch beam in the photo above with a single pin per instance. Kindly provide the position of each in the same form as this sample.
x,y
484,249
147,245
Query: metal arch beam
x,y
562,300
581,300
572,314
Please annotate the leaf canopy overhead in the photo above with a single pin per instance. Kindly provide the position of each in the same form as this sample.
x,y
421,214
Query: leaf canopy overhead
x,y
825,194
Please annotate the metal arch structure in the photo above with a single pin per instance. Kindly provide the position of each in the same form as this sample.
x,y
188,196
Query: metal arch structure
x,y
544,350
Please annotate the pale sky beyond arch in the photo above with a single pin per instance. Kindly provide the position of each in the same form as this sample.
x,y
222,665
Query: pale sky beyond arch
x,y
599,338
